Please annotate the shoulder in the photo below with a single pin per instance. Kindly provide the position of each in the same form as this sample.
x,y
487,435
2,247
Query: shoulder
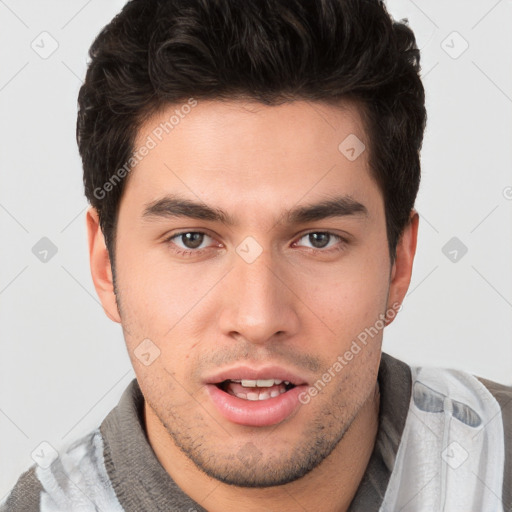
x,y
455,449
472,417
25,495
474,402
501,392
73,479
440,387
503,396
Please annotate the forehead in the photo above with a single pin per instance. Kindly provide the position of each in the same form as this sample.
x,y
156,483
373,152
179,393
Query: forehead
x,y
250,155
306,126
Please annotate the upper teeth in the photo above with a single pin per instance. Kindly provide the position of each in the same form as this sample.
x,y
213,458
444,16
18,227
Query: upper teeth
x,y
260,383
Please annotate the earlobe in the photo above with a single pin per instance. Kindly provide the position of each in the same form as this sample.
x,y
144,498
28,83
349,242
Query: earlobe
x,y
402,267
101,269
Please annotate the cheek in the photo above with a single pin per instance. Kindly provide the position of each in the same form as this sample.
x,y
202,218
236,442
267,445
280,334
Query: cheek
x,y
350,296
156,291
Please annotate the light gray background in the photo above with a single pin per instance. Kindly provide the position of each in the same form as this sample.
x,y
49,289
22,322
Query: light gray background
x,y
63,364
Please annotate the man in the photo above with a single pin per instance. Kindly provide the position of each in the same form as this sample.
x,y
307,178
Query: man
x,y
252,169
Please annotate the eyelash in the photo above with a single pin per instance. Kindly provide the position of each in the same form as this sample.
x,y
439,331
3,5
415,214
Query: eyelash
x,y
190,252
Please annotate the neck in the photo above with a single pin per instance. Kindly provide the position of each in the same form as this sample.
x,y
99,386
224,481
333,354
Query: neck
x,y
335,480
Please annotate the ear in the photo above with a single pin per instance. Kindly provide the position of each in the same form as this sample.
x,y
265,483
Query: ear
x,y
101,269
402,267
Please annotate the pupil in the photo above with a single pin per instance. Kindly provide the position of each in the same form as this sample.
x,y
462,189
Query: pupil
x,y
192,240
314,238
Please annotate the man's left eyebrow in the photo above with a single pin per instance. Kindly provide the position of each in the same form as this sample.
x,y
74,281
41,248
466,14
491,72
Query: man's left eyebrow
x,y
173,206
341,206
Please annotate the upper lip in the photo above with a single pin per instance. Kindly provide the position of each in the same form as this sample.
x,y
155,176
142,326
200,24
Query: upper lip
x,y
251,373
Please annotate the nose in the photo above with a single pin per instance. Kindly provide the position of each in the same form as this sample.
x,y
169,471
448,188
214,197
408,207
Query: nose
x,y
259,304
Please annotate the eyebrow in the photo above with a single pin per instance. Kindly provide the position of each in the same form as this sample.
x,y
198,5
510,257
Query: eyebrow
x,y
173,206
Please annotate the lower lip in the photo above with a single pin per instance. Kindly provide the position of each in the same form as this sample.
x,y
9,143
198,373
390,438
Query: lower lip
x,y
256,413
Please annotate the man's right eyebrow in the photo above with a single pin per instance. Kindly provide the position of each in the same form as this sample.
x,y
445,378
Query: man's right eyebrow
x,y
172,206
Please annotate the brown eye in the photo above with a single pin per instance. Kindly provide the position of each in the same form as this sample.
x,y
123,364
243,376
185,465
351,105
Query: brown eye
x,y
189,242
321,240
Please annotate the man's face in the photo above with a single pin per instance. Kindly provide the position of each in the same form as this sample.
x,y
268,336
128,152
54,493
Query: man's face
x,y
265,296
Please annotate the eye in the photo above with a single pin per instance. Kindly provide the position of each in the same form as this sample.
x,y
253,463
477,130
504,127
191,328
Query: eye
x,y
188,242
320,240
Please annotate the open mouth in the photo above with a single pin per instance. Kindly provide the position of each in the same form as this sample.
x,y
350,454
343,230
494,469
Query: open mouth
x,y
256,397
254,390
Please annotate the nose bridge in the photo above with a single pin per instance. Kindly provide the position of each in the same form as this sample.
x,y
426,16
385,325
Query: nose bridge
x,y
259,304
